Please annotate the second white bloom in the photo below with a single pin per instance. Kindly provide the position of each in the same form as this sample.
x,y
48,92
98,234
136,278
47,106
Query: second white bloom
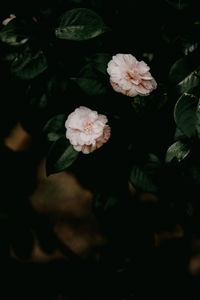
x,y
87,130
130,76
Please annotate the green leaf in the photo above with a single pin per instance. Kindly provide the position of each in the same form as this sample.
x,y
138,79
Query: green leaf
x,y
143,177
189,83
55,128
185,114
91,86
184,67
28,65
100,61
178,4
179,150
104,202
179,135
141,180
91,81
80,24
15,33
61,155
198,120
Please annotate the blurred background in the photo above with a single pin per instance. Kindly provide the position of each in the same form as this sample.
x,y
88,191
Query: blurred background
x,y
54,244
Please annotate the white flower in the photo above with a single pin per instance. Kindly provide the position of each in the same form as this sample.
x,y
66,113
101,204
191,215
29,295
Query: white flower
x,y
6,21
130,76
87,130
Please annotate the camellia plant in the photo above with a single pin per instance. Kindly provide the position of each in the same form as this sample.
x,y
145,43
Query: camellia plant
x,y
121,113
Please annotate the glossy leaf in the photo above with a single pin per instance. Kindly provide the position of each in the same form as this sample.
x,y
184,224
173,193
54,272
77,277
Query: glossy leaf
x,y
61,155
188,83
29,64
185,114
184,67
55,128
178,151
80,24
15,33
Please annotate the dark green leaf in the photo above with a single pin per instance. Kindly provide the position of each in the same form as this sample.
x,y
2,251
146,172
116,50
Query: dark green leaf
x,y
91,81
141,180
185,114
184,67
91,86
179,150
61,155
55,128
104,202
100,61
198,120
179,135
28,65
189,83
179,4
80,24
143,177
15,33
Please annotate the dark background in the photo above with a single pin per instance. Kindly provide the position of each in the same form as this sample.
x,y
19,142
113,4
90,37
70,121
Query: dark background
x,y
157,269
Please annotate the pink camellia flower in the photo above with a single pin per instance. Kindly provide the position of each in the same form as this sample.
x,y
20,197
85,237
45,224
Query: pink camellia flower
x,y
130,76
6,21
87,130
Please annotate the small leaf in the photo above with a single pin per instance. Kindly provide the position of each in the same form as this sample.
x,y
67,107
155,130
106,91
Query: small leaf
x,y
103,202
61,155
198,119
143,176
179,150
100,61
91,86
185,114
15,33
178,4
141,180
91,81
55,128
80,24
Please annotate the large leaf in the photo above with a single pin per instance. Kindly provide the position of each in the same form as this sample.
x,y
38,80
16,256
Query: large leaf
x,y
184,67
178,151
61,155
80,24
185,114
55,128
29,64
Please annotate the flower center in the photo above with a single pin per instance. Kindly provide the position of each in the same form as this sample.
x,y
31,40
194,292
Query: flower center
x,y
131,75
88,127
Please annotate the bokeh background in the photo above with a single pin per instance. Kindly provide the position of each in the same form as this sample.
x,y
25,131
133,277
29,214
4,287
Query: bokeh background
x,y
54,244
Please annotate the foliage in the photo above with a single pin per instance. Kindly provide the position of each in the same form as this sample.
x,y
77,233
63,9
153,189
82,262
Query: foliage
x,y
54,58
